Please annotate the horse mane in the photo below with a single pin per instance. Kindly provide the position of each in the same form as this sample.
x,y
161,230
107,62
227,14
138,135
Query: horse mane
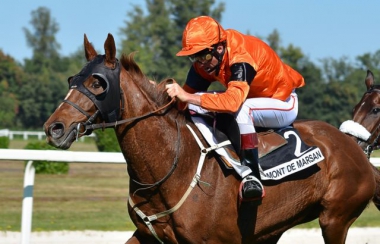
x,y
156,92
129,64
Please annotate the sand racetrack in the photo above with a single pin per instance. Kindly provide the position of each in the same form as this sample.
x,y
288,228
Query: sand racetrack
x,y
294,236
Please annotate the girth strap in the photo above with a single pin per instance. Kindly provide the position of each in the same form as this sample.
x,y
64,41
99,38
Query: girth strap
x,y
149,219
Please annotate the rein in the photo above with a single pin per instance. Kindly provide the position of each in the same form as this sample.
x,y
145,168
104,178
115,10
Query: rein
x,y
375,144
119,122
174,165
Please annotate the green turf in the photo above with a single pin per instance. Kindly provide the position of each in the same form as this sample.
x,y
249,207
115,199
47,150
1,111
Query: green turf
x,y
90,197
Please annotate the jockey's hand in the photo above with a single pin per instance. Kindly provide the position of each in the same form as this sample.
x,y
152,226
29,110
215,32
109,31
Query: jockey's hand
x,y
176,91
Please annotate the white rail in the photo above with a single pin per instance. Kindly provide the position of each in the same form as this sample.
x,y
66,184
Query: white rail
x,y
61,156
48,155
375,161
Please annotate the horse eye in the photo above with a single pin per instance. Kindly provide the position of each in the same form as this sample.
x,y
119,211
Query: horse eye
x,y
96,84
375,110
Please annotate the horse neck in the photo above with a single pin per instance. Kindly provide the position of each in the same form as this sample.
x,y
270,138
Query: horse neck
x,y
150,145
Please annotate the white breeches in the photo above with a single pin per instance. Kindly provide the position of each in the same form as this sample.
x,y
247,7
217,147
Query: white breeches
x,y
263,112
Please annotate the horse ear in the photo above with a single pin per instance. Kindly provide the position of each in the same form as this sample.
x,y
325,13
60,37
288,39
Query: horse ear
x,y
110,50
369,80
89,50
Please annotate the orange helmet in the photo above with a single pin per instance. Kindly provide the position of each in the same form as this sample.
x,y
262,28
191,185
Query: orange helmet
x,y
201,33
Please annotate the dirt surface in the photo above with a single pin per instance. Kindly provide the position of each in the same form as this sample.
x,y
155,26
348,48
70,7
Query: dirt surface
x,y
294,236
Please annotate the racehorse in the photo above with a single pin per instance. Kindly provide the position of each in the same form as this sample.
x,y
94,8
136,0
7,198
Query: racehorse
x,y
174,198
365,124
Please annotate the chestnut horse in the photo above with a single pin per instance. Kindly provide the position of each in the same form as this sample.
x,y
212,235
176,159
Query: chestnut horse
x,y
365,124
172,198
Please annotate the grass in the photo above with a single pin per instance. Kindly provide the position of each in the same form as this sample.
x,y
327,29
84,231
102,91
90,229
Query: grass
x,y
89,197
87,145
369,218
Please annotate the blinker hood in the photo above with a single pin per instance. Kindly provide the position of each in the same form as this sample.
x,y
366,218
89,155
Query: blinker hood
x,y
108,102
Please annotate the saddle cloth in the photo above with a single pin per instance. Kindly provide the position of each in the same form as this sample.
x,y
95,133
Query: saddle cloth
x,y
293,157
284,156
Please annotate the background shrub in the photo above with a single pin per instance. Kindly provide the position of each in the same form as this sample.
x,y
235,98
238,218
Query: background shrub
x,y
47,167
4,142
106,141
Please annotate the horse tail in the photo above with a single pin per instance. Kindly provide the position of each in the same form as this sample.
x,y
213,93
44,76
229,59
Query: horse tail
x,y
376,197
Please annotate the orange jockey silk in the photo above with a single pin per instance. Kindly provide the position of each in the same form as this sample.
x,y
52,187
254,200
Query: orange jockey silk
x,y
273,79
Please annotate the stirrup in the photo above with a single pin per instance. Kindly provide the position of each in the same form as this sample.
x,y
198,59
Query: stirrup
x,y
255,199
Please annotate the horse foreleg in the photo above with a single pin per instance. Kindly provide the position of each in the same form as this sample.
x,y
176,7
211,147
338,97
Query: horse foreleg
x,y
133,240
335,233
271,240
138,239
338,217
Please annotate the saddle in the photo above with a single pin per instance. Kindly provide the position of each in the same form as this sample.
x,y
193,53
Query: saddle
x,y
225,128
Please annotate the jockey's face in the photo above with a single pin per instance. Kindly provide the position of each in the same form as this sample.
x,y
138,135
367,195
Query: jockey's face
x,y
207,60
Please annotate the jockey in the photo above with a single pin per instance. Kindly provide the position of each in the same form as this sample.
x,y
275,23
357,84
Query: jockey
x,y
260,88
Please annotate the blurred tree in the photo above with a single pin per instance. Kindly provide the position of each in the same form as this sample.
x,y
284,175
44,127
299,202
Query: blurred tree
x,y
309,96
293,56
274,40
42,39
369,61
106,140
45,81
336,69
11,76
340,94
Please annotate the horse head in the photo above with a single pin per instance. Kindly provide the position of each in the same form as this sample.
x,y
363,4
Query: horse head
x,y
366,115
96,98
93,96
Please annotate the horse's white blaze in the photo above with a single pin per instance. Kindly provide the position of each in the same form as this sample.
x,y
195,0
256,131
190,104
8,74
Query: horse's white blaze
x,y
67,96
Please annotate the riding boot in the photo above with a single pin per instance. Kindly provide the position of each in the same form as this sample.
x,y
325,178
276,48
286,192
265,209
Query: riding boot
x,y
249,155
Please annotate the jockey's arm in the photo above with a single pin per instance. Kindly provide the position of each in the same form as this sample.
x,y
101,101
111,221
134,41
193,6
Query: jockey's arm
x,y
237,91
231,100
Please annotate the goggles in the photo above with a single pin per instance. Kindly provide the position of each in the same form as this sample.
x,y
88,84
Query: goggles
x,y
202,56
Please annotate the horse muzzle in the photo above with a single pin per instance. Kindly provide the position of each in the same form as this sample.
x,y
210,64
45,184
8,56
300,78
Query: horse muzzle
x,y
58,137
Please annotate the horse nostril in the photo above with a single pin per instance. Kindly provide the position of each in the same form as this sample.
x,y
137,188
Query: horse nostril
x,y
56,130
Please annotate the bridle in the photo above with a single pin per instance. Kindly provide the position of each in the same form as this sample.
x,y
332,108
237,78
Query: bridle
x,y
375,143
110,103
108,107
375,135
